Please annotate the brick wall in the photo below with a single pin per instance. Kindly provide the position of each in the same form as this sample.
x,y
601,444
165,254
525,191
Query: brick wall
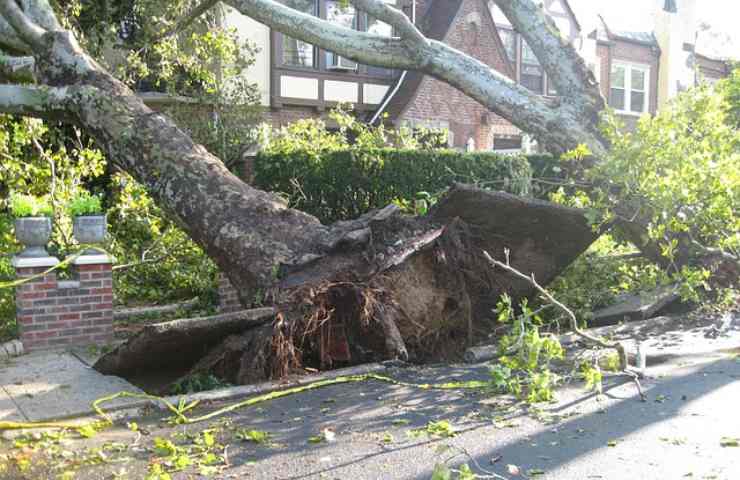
x,y
472,32
54,313
712,69
619,50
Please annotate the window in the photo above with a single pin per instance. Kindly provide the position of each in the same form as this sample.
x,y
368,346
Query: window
x,y
628,92
297,53
532,73
508,37
345,16
376,27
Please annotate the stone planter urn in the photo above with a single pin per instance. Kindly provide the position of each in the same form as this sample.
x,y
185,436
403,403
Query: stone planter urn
x,y
34,234
90,230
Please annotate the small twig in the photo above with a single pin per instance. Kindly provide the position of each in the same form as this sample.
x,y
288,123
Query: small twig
x,y
573,320
462,451
196,12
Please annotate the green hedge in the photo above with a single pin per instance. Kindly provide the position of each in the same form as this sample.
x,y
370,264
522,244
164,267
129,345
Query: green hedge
x,y
343,184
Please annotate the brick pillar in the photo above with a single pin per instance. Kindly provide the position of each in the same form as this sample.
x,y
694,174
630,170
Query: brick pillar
x,y
228,300
53,313
35,301
94,274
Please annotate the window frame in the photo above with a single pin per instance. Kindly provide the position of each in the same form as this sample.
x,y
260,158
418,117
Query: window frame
x,y
280,48
321,64
628,90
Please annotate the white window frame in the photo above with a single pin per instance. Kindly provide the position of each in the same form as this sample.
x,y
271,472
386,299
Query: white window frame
x,y
628,67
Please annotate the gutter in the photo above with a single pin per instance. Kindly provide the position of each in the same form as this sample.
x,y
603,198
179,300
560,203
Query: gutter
x,y
399,82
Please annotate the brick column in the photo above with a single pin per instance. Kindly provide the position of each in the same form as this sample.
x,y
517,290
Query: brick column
x,y
94,273
35,301
228,300
54,313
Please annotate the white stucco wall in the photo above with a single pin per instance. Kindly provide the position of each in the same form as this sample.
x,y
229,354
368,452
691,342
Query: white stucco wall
x,y
259,35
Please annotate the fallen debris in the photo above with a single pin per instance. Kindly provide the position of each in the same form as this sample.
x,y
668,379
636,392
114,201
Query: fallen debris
x,y
178,342
636,307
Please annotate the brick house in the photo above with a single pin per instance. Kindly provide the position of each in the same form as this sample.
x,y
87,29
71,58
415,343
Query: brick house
x,y
638,70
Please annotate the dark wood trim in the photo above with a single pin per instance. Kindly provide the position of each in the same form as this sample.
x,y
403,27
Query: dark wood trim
x,y
320,72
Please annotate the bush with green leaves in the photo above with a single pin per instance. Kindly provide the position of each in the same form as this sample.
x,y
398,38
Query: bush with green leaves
x,y
30,206
523,367
85,204
678,172
601,274
323,173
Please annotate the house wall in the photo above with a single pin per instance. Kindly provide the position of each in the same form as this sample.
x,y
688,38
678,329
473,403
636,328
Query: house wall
x,y
258,35
435,101
618,50
710,69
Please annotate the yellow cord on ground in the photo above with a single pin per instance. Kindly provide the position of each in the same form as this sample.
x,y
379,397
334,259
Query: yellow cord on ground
x,y
179,410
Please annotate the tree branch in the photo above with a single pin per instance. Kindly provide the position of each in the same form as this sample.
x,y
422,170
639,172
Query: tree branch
x,y
564,65
17,69
196,12
393,17
31,33
41,12
34,101
620,348
10,40
359,46
492,89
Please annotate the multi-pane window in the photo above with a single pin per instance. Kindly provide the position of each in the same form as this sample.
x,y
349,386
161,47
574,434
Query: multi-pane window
x,y
376,27
532,75
628,91
346,16
508,37
297,53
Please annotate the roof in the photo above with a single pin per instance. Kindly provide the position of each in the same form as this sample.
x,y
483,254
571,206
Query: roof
x,y
646,38
605,34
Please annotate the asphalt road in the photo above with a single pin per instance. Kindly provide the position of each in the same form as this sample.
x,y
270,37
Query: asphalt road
x,y
676,434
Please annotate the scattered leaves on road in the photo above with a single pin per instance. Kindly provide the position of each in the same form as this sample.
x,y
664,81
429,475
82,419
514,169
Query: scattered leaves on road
x,y
730,442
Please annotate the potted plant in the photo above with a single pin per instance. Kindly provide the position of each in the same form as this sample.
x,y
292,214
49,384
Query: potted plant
x,y
32,223
89,223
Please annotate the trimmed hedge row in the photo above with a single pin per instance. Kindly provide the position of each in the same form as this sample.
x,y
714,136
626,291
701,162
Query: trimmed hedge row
x,y
343,184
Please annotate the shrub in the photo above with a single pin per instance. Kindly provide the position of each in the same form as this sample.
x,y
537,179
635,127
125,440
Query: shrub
x,y
345,183
341,173
85,204
30,206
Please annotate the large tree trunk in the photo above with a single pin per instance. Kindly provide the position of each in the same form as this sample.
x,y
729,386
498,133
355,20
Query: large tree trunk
x,y
392,286
384,284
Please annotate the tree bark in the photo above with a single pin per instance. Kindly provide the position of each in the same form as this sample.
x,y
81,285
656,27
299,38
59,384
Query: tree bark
x,y
383,285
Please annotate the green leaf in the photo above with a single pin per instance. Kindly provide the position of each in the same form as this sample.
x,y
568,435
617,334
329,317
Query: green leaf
x,y
729,442
441,472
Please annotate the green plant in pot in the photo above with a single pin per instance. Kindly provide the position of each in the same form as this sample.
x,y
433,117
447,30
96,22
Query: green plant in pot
x,y
32,223
89,222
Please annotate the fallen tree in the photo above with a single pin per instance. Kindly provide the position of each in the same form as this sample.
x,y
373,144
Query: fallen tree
x,y
381,283
393,286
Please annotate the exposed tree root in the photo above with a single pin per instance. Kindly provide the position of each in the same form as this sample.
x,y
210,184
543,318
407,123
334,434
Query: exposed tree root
x,y
390,286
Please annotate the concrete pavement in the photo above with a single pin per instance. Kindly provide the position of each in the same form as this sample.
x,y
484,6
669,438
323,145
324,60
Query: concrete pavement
x,y
54,384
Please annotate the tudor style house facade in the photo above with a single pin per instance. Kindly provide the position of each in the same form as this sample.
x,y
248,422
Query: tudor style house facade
x,y
638,71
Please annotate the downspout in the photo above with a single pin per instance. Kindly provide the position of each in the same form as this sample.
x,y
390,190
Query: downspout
x,y
399,82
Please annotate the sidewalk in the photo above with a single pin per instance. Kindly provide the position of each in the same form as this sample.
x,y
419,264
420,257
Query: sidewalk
x,y
53,385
